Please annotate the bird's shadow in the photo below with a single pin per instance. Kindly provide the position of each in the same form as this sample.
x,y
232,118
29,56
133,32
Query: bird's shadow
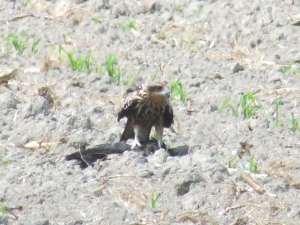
x,y
87,156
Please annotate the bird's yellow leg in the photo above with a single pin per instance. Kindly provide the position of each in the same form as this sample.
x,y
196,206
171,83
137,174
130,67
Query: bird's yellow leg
x,y
159,129
135,142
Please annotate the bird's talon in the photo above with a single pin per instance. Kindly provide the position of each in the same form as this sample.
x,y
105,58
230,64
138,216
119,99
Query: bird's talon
x,y
134,143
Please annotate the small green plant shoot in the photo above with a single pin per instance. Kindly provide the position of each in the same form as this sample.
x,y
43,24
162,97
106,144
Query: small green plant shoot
x,y
231,161
35,46
154,199
110,65
223,105
129,26
18,43
253,166
274,122
3,208
81,64
294,122
291,69
247,104
6,163
27,2
177,90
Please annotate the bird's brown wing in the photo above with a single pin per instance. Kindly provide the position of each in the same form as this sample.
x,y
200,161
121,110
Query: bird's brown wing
x,y
129,110
143,130
128,131
168,116
130,103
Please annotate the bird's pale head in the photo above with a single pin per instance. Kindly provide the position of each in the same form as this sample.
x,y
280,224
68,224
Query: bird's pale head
x,y
161,88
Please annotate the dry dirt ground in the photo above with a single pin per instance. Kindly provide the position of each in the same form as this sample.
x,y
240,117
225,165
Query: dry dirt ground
x,y
219,50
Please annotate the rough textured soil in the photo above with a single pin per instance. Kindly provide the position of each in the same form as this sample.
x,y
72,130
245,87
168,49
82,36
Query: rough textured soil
x,y
218,49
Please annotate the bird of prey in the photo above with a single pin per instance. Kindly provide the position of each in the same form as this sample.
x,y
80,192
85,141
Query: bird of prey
x,y
146,106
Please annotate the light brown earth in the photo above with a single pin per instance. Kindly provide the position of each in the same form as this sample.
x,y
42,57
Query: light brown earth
x,y
218,49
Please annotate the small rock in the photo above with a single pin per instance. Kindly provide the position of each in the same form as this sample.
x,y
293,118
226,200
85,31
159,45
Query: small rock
x,y
158,157
185,161
294,211
7,100
281,185
238,67
142,160
145,174
184,187
155,7
34,106
77,141
213,108
179,150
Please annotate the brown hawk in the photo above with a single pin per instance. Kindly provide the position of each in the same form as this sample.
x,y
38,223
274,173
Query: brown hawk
x,y
146,106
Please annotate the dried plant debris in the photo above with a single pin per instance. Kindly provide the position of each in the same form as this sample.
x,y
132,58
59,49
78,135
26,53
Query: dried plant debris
x,y
245,147
45,91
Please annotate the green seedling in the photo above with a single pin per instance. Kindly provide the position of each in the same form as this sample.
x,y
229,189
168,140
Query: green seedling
x,y
81,64
6,163
223,105
217,158
290,69
247,104
177,90
18,43
153,77
294,122
193,48
3,208
129,26
200,10
118,76
96,19
275,123
35,46
129,79
253,166
179,8
101,70
27,2
169,39
161,35
154,199
88,61
231,161
110,65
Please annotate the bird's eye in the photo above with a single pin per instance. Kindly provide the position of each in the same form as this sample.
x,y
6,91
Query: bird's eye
x,y
159,88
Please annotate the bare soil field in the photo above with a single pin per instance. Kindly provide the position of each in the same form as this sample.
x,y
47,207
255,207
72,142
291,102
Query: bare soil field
x,y
233,69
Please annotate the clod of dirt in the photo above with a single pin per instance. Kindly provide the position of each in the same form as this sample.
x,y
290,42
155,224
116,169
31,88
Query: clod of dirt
x,y
184,187
7,99
237,68
155,7
34,106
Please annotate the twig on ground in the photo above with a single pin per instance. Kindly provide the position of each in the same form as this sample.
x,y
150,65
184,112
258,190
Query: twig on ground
x,y
82,157
230,208
255,186
21,17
